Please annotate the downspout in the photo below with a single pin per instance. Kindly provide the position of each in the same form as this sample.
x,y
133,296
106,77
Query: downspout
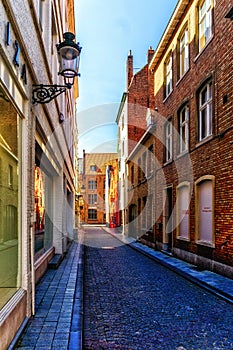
x,y
32,257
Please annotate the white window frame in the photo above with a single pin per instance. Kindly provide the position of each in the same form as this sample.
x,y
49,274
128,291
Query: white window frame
x,y
205,112
184,53
168,76
92,198
92,184
199,239
181,215
168,141
184,129
205,25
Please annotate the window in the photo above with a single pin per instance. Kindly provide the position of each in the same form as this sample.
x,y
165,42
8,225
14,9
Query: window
x,y
150,163
132,175
144,164
92,185
93,168
168,141
92,198
204,23
183,54
10,176
205,111
183,129
41,13
139,169
205,210
183,199
168,76
92,214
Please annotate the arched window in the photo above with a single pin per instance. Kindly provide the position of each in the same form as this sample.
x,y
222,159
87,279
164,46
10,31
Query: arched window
x,y
183,200
205,210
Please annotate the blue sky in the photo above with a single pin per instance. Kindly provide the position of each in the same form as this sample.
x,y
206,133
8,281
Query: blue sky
x,y
107,30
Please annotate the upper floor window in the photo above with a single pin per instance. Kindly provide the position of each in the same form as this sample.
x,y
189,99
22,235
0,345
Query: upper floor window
x,y
183,54
132,174
205,111
168,76
41,13
139,169
92,167
10,176
205,23
183,119
92,198
168,140
92,185
150,162
144,163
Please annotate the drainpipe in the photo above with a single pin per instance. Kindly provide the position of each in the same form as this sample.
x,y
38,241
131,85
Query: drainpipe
x,y
32,264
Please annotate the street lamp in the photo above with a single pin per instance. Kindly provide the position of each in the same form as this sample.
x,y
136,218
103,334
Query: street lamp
x,y
68,58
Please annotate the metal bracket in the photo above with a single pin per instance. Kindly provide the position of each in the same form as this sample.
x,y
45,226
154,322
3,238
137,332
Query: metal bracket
x,y
46,93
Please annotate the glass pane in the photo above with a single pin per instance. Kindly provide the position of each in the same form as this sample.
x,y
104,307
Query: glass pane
x,y
43,211
9,201
205,211
183,211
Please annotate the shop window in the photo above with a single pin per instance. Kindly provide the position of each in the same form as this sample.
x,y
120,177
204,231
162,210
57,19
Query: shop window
x,y
10,201
205,111
183,120
183,199
205,210
205,25
43,211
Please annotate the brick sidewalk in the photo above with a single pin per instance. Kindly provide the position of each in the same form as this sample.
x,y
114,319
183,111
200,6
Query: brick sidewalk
x,y
56,324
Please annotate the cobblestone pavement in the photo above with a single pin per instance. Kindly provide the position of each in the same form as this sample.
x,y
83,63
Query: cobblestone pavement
x,y
131,302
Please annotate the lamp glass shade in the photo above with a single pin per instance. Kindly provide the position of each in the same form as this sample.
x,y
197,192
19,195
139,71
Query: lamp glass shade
x,y
69,61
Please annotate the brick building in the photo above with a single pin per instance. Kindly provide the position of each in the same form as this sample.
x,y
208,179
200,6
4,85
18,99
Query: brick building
x,y
93,186
111,194
131,121
37,152
192,139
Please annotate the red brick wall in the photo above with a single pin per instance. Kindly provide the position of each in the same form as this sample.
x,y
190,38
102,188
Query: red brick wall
x,y
214,157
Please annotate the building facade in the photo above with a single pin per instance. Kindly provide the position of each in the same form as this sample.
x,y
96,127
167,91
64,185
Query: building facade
x,y
93,187
37,152
192,195
132,124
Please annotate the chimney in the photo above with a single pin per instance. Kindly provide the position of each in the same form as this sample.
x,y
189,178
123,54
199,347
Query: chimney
x,y
150,54
129,68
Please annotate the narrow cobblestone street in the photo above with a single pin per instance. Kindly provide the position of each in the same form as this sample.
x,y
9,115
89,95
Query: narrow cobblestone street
x,y
131,302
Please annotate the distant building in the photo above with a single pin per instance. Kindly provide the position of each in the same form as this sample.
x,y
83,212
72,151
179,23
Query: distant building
x,y
93,186
111,194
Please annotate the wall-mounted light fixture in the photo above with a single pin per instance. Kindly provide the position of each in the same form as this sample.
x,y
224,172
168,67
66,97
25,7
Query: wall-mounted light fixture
x,y
68,58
